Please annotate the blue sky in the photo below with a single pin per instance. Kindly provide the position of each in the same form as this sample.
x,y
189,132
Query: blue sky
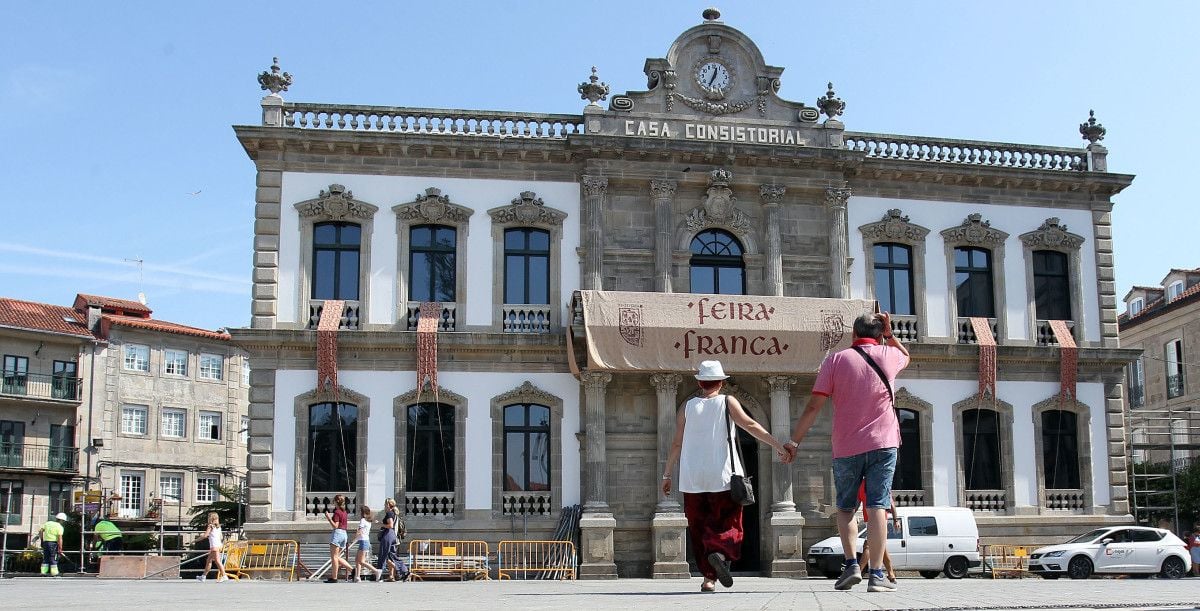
x,y
117,142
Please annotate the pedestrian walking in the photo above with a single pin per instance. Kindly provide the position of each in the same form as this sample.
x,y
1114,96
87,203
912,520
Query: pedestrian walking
x,y
866,435
51,535
362,539
895,519
1194,549
337,539
707,459
215,539
391,529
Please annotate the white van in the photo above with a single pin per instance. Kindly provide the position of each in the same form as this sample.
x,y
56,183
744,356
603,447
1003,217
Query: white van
x,y
931,540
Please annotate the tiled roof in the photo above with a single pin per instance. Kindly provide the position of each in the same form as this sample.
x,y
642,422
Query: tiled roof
x,y
1147,288
150,324
125,305
1160,305
42,317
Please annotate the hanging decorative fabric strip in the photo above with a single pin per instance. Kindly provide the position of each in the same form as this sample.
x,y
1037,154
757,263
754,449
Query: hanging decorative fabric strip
x,y
427,328
1068,365
327,346
987,356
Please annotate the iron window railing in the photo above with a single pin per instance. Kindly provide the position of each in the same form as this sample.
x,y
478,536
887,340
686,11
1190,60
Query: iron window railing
x,y
40,385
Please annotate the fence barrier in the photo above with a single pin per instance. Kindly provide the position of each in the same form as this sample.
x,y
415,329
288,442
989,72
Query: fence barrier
x,y
259,556
535,559
433,558
1006,560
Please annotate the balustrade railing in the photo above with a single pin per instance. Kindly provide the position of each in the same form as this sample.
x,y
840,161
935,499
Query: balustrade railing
x,y
1174,386
350,313
1045,335
14,455
987,500
448,320
437,504
525,318
967,152
431,121
1065,499
908,498
317,503
966,332
527,503
905,327
40,385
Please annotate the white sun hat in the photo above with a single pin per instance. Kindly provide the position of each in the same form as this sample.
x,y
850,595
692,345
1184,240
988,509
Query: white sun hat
x,y
62,517
710,370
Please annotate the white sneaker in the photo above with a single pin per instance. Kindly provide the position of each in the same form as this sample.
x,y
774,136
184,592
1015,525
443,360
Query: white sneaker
x,y
379,575
201,577
221,578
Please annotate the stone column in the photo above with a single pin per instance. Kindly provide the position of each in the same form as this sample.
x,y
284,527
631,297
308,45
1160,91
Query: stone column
x,y
666,387
772,195
1114,414
786,524
597,524
663,194
835,200
669,524
594,188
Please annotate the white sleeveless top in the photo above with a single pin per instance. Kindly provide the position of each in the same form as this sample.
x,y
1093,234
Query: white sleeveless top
x,y
704,464
214,538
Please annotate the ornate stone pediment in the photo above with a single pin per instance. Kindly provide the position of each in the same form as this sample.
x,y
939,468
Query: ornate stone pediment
x,y
433,207
527,209
894,227
1052,234
426,394
529,393
719,208
336,204
974,231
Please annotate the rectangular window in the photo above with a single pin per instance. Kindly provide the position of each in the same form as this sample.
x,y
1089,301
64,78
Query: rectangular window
x,y
1051,285
15,374
893,278
973,282
58,498
206,489
131,491
1174,290
1137,382
336,260
432,267
526,266
210,426
173,423
64,382
62,452
245,372
431,447
137,357
333,447
1174,363
170,487
526,447
175,362
133,419
922,526
12,492
12,443
245,430
211,366
1135,306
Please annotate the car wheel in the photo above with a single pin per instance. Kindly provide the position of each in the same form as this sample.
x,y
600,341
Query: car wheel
x,y
930,574
956,567
1173,568
1079,568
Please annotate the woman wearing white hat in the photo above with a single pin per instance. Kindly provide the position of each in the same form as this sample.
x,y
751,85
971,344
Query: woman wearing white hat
x,y
702,434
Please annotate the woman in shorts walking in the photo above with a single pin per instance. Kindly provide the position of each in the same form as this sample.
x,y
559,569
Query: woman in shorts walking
x,y
337,539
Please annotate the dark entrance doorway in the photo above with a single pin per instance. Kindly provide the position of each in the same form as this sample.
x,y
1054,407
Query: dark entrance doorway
x,y
751,560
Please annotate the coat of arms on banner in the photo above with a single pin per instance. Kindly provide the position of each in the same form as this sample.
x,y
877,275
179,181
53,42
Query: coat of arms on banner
x,y
833,327
630,320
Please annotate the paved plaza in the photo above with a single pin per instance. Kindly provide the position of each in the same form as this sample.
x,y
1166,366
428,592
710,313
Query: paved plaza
x,y
747,593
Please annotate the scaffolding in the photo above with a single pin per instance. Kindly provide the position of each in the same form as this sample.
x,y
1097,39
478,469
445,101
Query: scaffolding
x,y
1162,443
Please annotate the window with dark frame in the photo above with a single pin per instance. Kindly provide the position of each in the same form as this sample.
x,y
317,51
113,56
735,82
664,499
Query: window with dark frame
x,y
1173,353
982,452
15,375
973,282
332,447
1137,383
894,278
62,456
922,526
432,263
1060,450
12,443
335,262
64,383
716,264
526,266
908,458
526,447
1051,285
430,447
12,502
58,498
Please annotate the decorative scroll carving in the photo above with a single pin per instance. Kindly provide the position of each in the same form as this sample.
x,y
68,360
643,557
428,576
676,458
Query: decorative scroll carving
x,y
720,201
528,208
781,383
894,227
336,203
831,105
1052,234
433,207
837,197
594,185
529,393
660,189
592,90
622,103
974,230
1091,130
772,194
665,382
595,381
712,108
275,82
416,394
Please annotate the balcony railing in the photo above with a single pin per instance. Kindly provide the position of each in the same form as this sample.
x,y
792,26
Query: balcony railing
x,y
35,456
905,328
525,318
1045,335
987,500
435,504
447,322
40,386
1065,499
967,152
909,498
431,121
1175,386
966,333
1137,396
317,503
349,314
527,503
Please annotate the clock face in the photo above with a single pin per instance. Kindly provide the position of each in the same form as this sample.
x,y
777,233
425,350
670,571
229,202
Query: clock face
x,y
713,77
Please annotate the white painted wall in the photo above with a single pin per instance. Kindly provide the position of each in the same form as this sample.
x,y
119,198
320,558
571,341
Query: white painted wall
x,y
1015,220
388,191
381,387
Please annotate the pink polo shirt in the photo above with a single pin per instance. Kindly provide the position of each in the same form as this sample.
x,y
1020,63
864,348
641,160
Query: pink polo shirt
x,y
863,419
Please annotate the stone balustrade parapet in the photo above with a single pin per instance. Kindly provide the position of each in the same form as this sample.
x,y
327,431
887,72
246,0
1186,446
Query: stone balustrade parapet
x,y
430,121
968,152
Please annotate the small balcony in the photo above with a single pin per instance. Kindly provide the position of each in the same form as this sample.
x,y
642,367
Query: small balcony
x,y
987,500
36,457
40,386
909,498
1045,335
905,328
447,321
350,314
1065,500
525,318
429,504
316,504
1175,385
966,333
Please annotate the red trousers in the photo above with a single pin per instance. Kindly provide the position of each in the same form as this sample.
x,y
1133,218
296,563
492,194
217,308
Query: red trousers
x,y
714,525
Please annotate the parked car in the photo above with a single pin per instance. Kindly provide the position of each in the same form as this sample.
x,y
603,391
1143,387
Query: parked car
x,y
1128,550
931,540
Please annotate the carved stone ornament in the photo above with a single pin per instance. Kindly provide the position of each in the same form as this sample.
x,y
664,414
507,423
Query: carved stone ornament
x,y
337,203
1091,130
974,230
662,189
665,382
274,81
528,392
836,197
1052,234
831,106
772,194
529,209
720,202
433,207
712,108
894,227
593,90
595,185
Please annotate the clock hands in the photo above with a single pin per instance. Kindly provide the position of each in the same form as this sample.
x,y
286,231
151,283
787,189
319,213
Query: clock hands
x,y
713,79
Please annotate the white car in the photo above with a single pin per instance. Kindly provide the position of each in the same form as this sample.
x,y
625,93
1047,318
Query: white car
x,y
1131,550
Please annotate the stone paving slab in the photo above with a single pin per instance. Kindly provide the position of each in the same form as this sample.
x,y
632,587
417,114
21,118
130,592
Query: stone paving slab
x,y
624,594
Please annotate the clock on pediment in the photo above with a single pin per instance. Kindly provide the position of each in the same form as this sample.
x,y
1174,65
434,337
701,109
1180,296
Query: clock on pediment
x,y
714,77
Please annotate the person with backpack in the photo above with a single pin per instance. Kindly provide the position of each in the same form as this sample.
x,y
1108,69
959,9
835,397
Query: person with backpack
x,y
390,532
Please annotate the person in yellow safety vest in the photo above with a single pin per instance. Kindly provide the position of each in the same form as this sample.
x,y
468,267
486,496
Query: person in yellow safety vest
x,y
51,533
109,536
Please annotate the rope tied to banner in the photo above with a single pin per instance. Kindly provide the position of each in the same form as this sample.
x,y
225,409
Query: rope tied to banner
x,y
327,346
1068,364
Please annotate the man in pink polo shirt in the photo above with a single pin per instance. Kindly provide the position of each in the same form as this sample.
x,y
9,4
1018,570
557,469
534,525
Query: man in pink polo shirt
x,y
866,435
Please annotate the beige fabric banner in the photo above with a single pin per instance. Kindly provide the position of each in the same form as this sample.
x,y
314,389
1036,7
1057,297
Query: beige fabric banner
x,y
747,333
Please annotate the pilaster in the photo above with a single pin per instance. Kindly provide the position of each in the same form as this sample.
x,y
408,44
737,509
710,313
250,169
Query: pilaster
x,y
1105,274
662,192
781,474
594,386
835,201
261,444
264,306
594,189
772,196
1118,475
666,388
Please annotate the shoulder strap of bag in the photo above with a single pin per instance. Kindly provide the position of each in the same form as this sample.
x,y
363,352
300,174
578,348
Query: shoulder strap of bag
x,y
734,459
882,377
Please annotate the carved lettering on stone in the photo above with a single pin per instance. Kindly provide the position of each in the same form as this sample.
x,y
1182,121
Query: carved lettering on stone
x,y
433,207
1052,234
894,227
529,209
974,230
336,203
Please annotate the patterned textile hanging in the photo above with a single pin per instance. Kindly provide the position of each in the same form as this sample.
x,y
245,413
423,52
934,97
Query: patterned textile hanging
x,y
427,327
987,356
1068,365
327,346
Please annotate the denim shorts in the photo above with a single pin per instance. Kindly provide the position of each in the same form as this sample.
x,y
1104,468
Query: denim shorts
x,y
876,468
364,546
338,537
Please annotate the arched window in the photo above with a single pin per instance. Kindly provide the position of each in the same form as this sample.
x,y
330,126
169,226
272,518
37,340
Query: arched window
x,y
526,447
973,282
716,264
526,266
336,260
908,458
894,278
432,265
430,447
1051,285
982,452
1060,450
332,447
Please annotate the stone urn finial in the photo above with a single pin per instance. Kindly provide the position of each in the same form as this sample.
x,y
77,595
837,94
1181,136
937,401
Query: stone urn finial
x,y
831,106
274,81
1091,130
711,14
593,90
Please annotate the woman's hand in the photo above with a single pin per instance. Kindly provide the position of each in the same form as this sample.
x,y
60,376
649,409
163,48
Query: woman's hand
x,y
666,486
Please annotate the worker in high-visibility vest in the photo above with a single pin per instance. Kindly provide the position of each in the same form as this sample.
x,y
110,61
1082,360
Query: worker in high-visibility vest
x,y
108,536
51,534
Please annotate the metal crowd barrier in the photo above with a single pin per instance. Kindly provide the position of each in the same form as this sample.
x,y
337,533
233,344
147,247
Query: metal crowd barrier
x,y
1006,560
433,558
535,560
259,556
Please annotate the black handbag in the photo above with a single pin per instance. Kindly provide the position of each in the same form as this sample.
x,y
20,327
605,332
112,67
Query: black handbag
x,y
741,487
